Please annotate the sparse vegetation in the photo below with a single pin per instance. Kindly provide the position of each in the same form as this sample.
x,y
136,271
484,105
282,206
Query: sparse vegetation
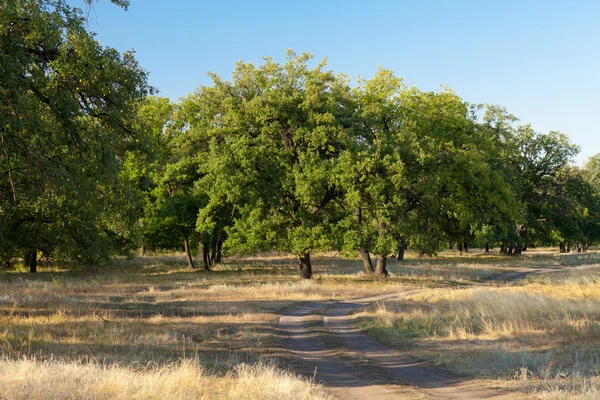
x,y
30,379
541,335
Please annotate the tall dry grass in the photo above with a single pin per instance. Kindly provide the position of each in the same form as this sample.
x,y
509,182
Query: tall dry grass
x,y
30,379
543,333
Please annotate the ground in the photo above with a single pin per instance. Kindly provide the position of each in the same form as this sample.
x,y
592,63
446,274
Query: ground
x,y
219,334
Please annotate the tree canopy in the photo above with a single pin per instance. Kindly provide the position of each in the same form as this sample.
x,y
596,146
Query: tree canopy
x,y
283,156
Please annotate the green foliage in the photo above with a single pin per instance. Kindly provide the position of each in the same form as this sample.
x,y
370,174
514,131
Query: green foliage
x,y
64,125
284,156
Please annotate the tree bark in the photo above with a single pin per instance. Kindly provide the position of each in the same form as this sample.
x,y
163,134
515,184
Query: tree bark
x,y
503,249
142,250
487,248
518,249
30,259
206,257
459,246
219,248
401,250
561,247
366,260
568,247
188,254
466,247
213,254
305,266
381,270
510,249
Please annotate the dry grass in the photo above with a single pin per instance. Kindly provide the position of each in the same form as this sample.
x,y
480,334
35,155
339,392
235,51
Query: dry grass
x,y
137,320
542,336
30,379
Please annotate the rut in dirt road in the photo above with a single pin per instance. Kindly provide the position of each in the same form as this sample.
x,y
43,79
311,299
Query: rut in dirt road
x,y
344,380
396,370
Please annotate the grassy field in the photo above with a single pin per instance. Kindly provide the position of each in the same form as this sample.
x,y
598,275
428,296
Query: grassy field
x,y
139,328
541,335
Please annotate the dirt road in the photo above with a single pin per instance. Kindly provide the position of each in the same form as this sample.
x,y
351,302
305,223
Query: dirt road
x,y
352,366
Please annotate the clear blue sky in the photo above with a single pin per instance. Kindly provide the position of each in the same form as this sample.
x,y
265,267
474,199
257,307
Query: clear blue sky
x,y
538,58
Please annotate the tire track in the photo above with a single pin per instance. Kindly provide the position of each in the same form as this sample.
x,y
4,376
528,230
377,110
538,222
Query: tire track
x,y
397,373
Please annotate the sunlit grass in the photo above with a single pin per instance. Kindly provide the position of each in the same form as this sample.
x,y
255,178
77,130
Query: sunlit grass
x,y
542,334
186,379
154,311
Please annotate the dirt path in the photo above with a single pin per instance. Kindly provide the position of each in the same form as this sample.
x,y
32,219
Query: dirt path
x,y
376,372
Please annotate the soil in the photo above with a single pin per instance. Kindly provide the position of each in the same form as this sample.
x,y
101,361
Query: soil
x,y
350,365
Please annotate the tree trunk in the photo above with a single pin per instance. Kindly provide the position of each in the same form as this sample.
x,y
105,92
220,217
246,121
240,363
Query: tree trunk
x,y
381,270
219,248
568,247
525,246
579,247
561,247
487,248
459,246
188,254
142,250
30,259
503,249
366,260
305,266
466,247
401,250
451,245
213,254
206,257
518,249
510,250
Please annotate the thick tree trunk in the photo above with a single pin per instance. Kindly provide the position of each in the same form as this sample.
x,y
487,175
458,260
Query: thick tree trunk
x,y
503,249
401,250
459,246
30,259
305,266
381,270
213,254
466,247
487,248
561,247
518,249
568,247
206,257
188,254
366,260
510,249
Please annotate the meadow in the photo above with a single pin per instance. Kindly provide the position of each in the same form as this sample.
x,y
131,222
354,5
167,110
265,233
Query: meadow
x,y
150,326
540,336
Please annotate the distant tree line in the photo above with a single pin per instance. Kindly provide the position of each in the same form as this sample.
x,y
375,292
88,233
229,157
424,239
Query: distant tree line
x,y
288,157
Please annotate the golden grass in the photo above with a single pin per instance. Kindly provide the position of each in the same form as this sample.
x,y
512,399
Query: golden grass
x,y
186,379
155,311
137,320
542,335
